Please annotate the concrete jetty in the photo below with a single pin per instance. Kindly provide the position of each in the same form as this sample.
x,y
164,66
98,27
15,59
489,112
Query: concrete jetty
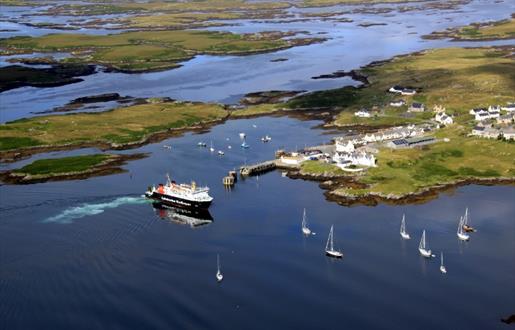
x,y
248,170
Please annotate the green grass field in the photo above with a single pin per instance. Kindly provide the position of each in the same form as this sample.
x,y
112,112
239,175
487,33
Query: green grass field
x,y
62,165
145,49
119,126
499,30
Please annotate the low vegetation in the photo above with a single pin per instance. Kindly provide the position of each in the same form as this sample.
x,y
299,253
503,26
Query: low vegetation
x,y
62,165
147,50
499,30
120,126
314,167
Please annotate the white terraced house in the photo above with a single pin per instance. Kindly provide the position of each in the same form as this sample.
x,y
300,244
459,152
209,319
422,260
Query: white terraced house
x,y
362,114
344,146
358,158
509,107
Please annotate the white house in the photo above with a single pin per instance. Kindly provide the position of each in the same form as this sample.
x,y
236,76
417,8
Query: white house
x,y
396,89
506,119
509,107
443,118
359,158
397,103
476,111
342,146
416,107
494,108
486,115
362,114
408,91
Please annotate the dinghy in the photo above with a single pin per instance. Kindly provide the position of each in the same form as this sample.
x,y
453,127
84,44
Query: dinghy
x,y
466,227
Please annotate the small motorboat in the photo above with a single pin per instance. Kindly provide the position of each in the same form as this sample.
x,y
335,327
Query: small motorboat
x,y
229,147
166,146
221,153
212,149
266,138
202,144
242,135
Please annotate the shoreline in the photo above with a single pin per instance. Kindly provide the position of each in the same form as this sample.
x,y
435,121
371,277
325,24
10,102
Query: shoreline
x,y
107,167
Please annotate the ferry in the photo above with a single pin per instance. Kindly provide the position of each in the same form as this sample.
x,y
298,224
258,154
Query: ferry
x,y
180,195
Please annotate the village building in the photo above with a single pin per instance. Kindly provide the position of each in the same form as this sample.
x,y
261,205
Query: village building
x,y
357,158
397,103
509,107
408,91
396,89
416,107
411,142
362,114
438,108
506,119
344,146
485,132
443,118
508,132
494,109
476,111
480,116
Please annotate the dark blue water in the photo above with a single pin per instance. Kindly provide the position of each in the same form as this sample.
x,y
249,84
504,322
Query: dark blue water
x,y
93,254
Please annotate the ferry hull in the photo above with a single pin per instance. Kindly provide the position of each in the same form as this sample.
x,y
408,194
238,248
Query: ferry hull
x,y
177,201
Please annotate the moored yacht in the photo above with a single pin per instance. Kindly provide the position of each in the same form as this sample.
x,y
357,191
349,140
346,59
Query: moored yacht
x,y
422,247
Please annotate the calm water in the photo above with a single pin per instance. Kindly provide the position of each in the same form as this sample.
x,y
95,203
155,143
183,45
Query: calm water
x,y
93,254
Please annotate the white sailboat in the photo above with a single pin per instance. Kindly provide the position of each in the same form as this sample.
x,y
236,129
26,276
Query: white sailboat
x,y
442,267
219,275
211,148
466,227
404,234
422,246
329,246
305,229
462,236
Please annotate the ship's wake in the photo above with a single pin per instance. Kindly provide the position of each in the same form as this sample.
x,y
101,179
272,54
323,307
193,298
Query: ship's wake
x,y
72,213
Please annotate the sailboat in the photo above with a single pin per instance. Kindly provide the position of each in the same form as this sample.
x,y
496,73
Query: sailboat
x,y
442,267
244,144
462,236
329,246
422,246
219,275
404,234
211,148
305,229
466,227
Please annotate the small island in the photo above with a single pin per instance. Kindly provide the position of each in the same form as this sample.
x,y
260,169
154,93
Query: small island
x,y
68,168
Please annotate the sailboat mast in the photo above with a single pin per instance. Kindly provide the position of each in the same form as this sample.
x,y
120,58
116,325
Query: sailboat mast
x,y
329,238
218,262
403,224
422,244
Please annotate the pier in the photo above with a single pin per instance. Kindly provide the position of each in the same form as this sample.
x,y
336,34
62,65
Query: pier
x,y
248,170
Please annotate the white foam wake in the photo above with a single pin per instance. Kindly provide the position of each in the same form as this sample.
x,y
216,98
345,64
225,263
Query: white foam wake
x,y
77,212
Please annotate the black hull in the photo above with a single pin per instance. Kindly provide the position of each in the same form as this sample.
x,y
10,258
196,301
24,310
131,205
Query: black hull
x,y
177,201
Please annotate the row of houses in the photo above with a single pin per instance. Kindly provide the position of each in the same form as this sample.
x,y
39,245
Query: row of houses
x,y
402,90
356,158
494,132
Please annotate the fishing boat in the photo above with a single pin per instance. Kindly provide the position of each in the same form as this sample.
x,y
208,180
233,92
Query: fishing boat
x,y
329,246
305,229
404,234
443,270
219,275
212,149
422,246
180,195
462,236
202,144
221,153
466,227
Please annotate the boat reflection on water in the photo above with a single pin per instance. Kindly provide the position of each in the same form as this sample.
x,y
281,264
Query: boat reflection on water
x,y
193,218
